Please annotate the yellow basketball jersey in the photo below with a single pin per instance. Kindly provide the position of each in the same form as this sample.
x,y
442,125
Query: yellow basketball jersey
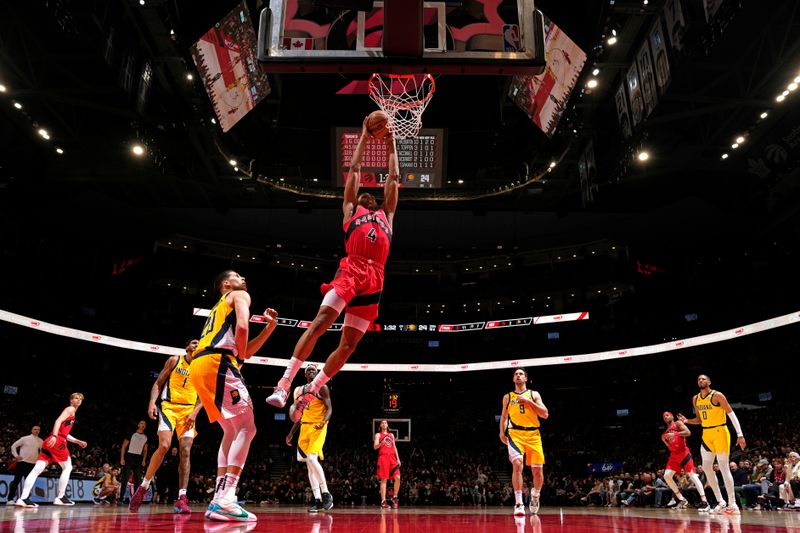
x,y
710,415
179,388
519,414
220,329
315,410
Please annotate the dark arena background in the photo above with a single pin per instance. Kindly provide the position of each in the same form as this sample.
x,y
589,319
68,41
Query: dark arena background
x,y
605,193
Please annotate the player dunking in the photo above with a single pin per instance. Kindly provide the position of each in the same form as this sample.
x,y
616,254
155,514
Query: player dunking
x,y
54,450
177,412
313,430
215,374
388,464
680,458
519,430
710,408
358,282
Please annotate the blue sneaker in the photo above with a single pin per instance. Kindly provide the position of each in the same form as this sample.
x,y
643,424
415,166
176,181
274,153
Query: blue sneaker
x,y
225,511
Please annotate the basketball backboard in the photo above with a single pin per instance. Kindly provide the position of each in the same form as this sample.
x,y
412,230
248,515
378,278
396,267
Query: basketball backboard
x,y
399,427
500,37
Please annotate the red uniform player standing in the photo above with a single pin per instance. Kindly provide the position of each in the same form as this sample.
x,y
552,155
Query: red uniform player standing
x,y
680,458
388,463
54,450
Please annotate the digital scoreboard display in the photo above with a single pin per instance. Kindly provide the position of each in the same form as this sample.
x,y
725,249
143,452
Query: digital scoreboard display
x,y
391,402
421,159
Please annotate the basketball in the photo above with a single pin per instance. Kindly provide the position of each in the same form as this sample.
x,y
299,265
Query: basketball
x,y
378,124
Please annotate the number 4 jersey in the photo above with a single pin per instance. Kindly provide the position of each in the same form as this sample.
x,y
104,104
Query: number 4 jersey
x,y
359,280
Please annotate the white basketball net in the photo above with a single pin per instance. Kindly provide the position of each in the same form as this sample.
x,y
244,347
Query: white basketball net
x,y
404,98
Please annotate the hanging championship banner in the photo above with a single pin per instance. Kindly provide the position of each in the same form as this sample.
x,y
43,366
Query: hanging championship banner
x,y
622,111
635,95
659,50
647,78
676,24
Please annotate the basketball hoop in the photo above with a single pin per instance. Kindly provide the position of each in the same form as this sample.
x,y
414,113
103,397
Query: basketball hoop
x,y
403,97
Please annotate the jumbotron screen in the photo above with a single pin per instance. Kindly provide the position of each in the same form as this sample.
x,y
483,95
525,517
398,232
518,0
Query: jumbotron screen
x,y
421,159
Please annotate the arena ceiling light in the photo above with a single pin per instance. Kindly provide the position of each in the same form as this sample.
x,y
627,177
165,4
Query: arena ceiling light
x,y
137,150
643,156
724,156
740,139
2,88
17,105
792,86
595,72
591,84
189,77
43,134
735,146
764,114
233,162
59,151
780,98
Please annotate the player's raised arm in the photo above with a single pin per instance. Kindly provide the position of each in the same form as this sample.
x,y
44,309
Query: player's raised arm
x,y
391,187
354,175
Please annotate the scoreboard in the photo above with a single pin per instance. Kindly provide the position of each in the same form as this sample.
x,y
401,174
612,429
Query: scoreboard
x,y
391,402
421,159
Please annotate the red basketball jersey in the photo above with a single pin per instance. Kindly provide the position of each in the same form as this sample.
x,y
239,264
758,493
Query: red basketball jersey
x,y
386,441
367,234
66,427
678,443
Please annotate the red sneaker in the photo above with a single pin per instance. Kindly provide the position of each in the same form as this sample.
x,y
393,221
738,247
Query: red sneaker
x,y
386,505
138,498
395,503
182,505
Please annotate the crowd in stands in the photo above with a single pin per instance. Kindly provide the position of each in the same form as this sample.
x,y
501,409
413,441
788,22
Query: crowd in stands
x,y
767,475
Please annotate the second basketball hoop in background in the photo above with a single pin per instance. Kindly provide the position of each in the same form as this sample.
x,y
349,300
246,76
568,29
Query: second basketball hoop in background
x,y
378,124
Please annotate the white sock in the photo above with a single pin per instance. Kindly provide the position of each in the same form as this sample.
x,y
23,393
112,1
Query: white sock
x,y
219,487
291,369
146,483
320,380
518,497
181,492
230,487
535,492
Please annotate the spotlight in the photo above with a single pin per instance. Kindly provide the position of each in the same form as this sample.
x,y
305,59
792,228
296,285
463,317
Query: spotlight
x,y
189,77
172,32
595,72
592,83
59,151
2,88
236,169
785,93
740,139
735,146
764,114
233,162
552,164
643,156
43,133
213,120
792,86
779,98
724,156
17,105
611,41
137,149
141,2
460,182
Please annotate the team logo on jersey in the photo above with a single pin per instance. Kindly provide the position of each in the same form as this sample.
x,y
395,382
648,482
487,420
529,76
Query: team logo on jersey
x,y
235,397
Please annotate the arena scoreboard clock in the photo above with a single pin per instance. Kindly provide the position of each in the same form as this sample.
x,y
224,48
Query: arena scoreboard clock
x,y
391,402
421,159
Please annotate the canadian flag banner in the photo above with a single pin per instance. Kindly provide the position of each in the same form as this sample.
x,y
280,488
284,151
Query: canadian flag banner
x,y
298,44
